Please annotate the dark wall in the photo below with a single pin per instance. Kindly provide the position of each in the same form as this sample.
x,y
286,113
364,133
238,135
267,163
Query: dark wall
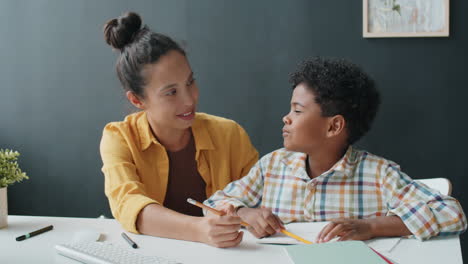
x,y
59,86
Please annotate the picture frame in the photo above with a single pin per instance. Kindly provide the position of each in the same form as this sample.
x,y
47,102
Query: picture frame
x,y
405,18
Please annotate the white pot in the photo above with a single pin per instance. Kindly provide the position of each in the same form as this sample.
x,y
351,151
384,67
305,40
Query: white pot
x,y
3,207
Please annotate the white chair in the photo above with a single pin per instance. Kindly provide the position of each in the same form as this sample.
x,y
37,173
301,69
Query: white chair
x,y
443,185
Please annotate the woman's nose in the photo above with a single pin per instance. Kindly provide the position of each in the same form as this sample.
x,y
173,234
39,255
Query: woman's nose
x,y
189,99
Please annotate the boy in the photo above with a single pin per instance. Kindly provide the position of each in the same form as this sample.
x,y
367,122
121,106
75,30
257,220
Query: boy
x,y
319,176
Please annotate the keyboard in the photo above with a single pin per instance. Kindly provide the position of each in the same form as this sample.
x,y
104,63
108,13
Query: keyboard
x,y
104,253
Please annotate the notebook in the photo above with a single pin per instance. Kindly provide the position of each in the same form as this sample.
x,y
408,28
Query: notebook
x,y
346,252
310,231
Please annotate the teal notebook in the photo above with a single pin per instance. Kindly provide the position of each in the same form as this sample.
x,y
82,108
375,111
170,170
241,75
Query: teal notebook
x,y
346,252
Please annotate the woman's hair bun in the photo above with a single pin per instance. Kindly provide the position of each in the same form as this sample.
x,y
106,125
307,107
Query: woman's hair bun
x,y
119,32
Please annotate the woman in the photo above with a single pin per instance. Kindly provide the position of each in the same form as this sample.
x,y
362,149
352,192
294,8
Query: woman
x,y
157,158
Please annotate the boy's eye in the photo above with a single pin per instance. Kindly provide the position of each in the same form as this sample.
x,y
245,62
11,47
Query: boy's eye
x,y
172,92
297,111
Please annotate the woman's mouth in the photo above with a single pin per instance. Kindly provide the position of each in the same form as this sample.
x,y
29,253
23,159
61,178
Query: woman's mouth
x,y
187,116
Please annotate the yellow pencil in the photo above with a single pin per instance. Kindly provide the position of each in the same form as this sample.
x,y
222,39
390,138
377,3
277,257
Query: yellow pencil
x,y
214,211
284,231
217,212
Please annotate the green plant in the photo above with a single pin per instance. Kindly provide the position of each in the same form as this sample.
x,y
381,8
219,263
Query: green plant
x,y
10,171
396,7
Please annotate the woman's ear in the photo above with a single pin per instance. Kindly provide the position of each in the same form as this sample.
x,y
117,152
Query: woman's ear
x,y
336,126
135,100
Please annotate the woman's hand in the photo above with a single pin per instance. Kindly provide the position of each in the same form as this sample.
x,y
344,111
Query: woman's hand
x,y
347,229
220,231
261,220
227,209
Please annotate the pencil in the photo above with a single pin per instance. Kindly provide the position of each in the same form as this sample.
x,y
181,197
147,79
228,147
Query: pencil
x,y
217,212
298,238
197,203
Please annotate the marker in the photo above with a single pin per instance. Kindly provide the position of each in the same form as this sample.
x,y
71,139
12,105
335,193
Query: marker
x,y
130,242
35,233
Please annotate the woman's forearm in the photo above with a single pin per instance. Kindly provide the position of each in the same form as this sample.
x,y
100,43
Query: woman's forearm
x,y
156,220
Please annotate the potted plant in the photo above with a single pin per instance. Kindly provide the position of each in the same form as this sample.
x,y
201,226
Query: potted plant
x,y
9,174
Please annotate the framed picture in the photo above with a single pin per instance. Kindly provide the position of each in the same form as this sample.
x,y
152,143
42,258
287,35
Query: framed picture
x,y
405,18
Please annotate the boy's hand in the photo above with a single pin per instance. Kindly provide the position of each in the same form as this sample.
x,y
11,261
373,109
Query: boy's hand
x,y
346,229
261,220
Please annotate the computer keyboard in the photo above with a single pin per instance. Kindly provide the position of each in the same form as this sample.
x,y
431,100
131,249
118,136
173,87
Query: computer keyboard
x,y
104,253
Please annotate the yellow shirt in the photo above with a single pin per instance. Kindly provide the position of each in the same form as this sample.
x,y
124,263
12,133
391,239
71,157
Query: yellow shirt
x,y
136,166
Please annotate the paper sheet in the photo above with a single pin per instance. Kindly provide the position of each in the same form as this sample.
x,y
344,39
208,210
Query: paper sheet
x,y
310,231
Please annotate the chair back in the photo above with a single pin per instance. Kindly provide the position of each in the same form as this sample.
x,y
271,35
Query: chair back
x,y
443,185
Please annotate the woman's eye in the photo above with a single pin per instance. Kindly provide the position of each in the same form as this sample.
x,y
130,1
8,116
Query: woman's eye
x,y
191,82
297,111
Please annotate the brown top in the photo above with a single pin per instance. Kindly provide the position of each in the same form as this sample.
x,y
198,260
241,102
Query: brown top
x,y
184,181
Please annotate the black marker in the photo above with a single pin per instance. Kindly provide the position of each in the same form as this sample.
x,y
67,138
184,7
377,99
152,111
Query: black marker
x,y
35,233
133,244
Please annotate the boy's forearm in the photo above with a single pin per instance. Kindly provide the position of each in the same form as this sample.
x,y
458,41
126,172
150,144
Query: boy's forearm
x,y
388,226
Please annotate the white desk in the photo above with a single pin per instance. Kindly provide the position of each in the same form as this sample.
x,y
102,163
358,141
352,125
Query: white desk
x,y
40,249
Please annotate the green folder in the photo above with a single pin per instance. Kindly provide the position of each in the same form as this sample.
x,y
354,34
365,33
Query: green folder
x,y
346,252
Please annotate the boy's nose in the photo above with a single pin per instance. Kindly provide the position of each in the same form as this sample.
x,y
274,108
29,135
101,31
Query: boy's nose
x,y
286,120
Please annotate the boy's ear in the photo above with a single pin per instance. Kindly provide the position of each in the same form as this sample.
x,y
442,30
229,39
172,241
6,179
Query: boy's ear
x,y
336,126
135,100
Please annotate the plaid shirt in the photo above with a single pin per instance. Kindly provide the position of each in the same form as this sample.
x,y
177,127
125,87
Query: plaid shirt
x,y
360,185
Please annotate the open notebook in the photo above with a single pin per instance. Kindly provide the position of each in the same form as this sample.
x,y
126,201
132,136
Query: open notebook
x,y
310,231
349,252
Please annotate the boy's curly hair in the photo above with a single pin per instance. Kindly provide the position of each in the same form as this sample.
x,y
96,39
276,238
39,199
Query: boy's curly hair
x,y
341,88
